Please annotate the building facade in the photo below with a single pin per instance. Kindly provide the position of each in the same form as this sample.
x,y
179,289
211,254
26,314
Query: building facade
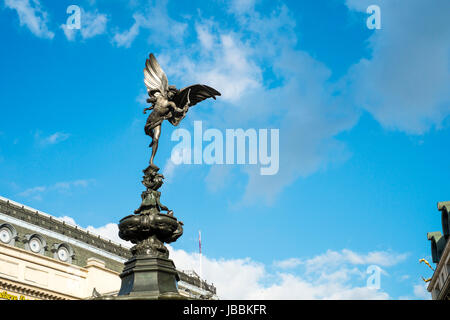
x,y
45,258
439,284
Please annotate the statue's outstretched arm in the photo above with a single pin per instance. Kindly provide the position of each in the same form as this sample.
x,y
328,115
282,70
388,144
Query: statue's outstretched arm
x,y
175,107
146,109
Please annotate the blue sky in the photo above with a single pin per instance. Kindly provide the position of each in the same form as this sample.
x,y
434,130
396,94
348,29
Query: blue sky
x,y
362,114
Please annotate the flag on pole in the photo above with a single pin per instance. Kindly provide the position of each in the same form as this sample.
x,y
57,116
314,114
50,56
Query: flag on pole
x,y
200,256
199,241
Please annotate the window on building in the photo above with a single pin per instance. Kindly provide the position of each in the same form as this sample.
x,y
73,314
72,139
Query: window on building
x,y
63,252
8,234
35,243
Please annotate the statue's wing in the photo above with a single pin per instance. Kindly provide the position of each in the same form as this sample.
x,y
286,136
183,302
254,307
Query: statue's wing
x,y
197,93
154,76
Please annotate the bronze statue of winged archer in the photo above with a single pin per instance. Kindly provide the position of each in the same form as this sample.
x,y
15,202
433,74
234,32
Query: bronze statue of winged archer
x,y
167,102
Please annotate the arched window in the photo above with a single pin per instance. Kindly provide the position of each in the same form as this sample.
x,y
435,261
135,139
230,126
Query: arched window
x,y
63,252
35,243
8,234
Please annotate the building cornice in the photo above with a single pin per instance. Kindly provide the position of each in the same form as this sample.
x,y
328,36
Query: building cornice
x,y
43,261
46,221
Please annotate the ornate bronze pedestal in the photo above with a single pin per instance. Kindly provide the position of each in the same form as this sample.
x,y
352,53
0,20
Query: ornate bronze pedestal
x,y
150,274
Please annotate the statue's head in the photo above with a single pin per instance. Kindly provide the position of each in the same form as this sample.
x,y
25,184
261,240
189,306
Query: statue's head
x,y
154,93
172,92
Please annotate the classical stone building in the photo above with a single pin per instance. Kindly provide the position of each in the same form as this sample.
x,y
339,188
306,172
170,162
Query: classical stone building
x,y
439,285
43,257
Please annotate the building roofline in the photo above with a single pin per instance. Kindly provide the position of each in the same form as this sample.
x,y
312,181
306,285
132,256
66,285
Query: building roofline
x,y
61,220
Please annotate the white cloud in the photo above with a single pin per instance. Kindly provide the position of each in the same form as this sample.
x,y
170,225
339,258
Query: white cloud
x,y
32,16
142,98
69,33
334,258
234,278
92,24
242,6
231,69
206,38
217,178
405,277
68,185
154,18
68,220
295,288
169,169
171,166
36,193
126,38
52,139
404,84
110,231
56,138
420,292
225,63
247,279
288,263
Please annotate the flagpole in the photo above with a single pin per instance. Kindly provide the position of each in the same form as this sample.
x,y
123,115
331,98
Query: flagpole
x,y
200,256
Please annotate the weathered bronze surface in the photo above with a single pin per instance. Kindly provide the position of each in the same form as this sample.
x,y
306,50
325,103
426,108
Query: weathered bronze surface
x,y
149,277
148,228
150,274
167,102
